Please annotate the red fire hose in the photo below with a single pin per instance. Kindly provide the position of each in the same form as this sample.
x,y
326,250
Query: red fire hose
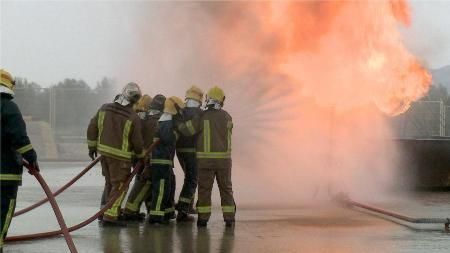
x,y
92,218
55,207
345,200
59,191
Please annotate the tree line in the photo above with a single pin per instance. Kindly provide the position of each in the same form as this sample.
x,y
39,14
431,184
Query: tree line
x,y
67,106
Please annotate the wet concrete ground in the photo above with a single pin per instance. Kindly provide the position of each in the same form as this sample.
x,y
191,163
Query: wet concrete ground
x,y
318,228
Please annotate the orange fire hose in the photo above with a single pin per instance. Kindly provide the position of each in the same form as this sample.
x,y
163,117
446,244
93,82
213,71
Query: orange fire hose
x,y
59,191
55,207
92,218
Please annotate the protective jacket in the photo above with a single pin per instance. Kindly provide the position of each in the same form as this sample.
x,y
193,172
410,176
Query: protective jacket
x,y
165,151
187,144
15,143
115,131
149,127
213,145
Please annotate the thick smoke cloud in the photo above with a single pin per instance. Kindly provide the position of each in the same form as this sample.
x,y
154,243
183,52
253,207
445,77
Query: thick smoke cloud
x,y
308,85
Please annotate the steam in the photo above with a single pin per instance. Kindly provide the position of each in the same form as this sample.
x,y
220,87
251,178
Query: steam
x,y
308,84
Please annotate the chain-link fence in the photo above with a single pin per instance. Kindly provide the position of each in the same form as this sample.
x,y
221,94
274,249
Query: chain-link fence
x,y
425,119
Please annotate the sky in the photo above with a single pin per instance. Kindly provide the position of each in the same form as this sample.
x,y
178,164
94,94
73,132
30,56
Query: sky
x,y
47,41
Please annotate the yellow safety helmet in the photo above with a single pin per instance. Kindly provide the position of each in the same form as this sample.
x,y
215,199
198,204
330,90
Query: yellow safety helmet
x,y
217,94
7,79
143,104
171,103
195,93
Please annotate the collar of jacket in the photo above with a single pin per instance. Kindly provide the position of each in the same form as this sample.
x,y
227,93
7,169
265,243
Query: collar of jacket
x,y
165,117
192,103
5,90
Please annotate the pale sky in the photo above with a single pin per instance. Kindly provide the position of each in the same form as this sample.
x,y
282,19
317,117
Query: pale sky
x,y
47,41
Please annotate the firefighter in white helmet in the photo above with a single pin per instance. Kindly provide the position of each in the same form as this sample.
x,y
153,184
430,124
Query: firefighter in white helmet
x,y
115,132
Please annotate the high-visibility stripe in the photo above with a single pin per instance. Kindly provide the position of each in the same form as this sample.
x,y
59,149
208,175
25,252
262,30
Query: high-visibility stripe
x,y
161,161
141,155
214,155
160,197
190,127
229,209
7,220
115,209
25,149
229,129
125,135
204,209
184,200
10,177
206,136
176,135
134,205
157,213
113,151
101,119
186,150
92,143
169,210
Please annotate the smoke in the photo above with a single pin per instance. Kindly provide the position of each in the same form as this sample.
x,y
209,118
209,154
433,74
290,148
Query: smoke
x,y
308,84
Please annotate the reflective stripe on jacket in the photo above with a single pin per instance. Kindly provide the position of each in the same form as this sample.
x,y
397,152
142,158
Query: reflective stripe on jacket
x,y
14,142
214,129
115,131
187,144
165,151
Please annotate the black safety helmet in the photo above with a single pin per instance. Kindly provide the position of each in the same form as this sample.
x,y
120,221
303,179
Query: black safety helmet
x,y
158,102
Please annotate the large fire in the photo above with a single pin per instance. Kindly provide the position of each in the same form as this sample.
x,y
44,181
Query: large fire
x,y
342,53
308,84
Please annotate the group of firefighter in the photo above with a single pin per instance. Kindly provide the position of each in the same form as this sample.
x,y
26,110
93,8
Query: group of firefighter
x,y
123,131
138,131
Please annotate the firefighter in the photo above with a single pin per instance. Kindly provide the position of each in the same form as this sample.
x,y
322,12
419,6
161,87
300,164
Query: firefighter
x,y
15,147
186,155
214,128
115,132
150,111
161,163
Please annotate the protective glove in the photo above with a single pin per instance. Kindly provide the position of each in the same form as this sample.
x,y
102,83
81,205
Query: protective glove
x,y
31,158
93,154
135,161
34,166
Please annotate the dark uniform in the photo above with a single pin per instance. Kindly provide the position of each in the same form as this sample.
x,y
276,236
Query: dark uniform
x,y
162,172
186,156
213,149
141,190
15,146
115,131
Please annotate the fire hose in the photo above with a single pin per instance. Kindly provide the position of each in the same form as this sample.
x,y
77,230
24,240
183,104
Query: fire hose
x,y
70,183
346,201
92,218
55,207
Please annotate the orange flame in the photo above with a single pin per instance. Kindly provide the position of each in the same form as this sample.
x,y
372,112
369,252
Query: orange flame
x,y
342,53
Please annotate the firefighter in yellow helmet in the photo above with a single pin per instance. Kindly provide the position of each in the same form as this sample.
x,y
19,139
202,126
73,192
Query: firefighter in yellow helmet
x,y
15,146
213,149
115,132
161,162
149,111
186,154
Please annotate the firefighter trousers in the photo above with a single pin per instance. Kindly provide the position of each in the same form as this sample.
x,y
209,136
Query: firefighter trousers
x,y
115,172
8,204
140,192
188,162
206,178
162,176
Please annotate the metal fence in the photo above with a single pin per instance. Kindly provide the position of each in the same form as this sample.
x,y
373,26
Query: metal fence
x,y
67,110
424,119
